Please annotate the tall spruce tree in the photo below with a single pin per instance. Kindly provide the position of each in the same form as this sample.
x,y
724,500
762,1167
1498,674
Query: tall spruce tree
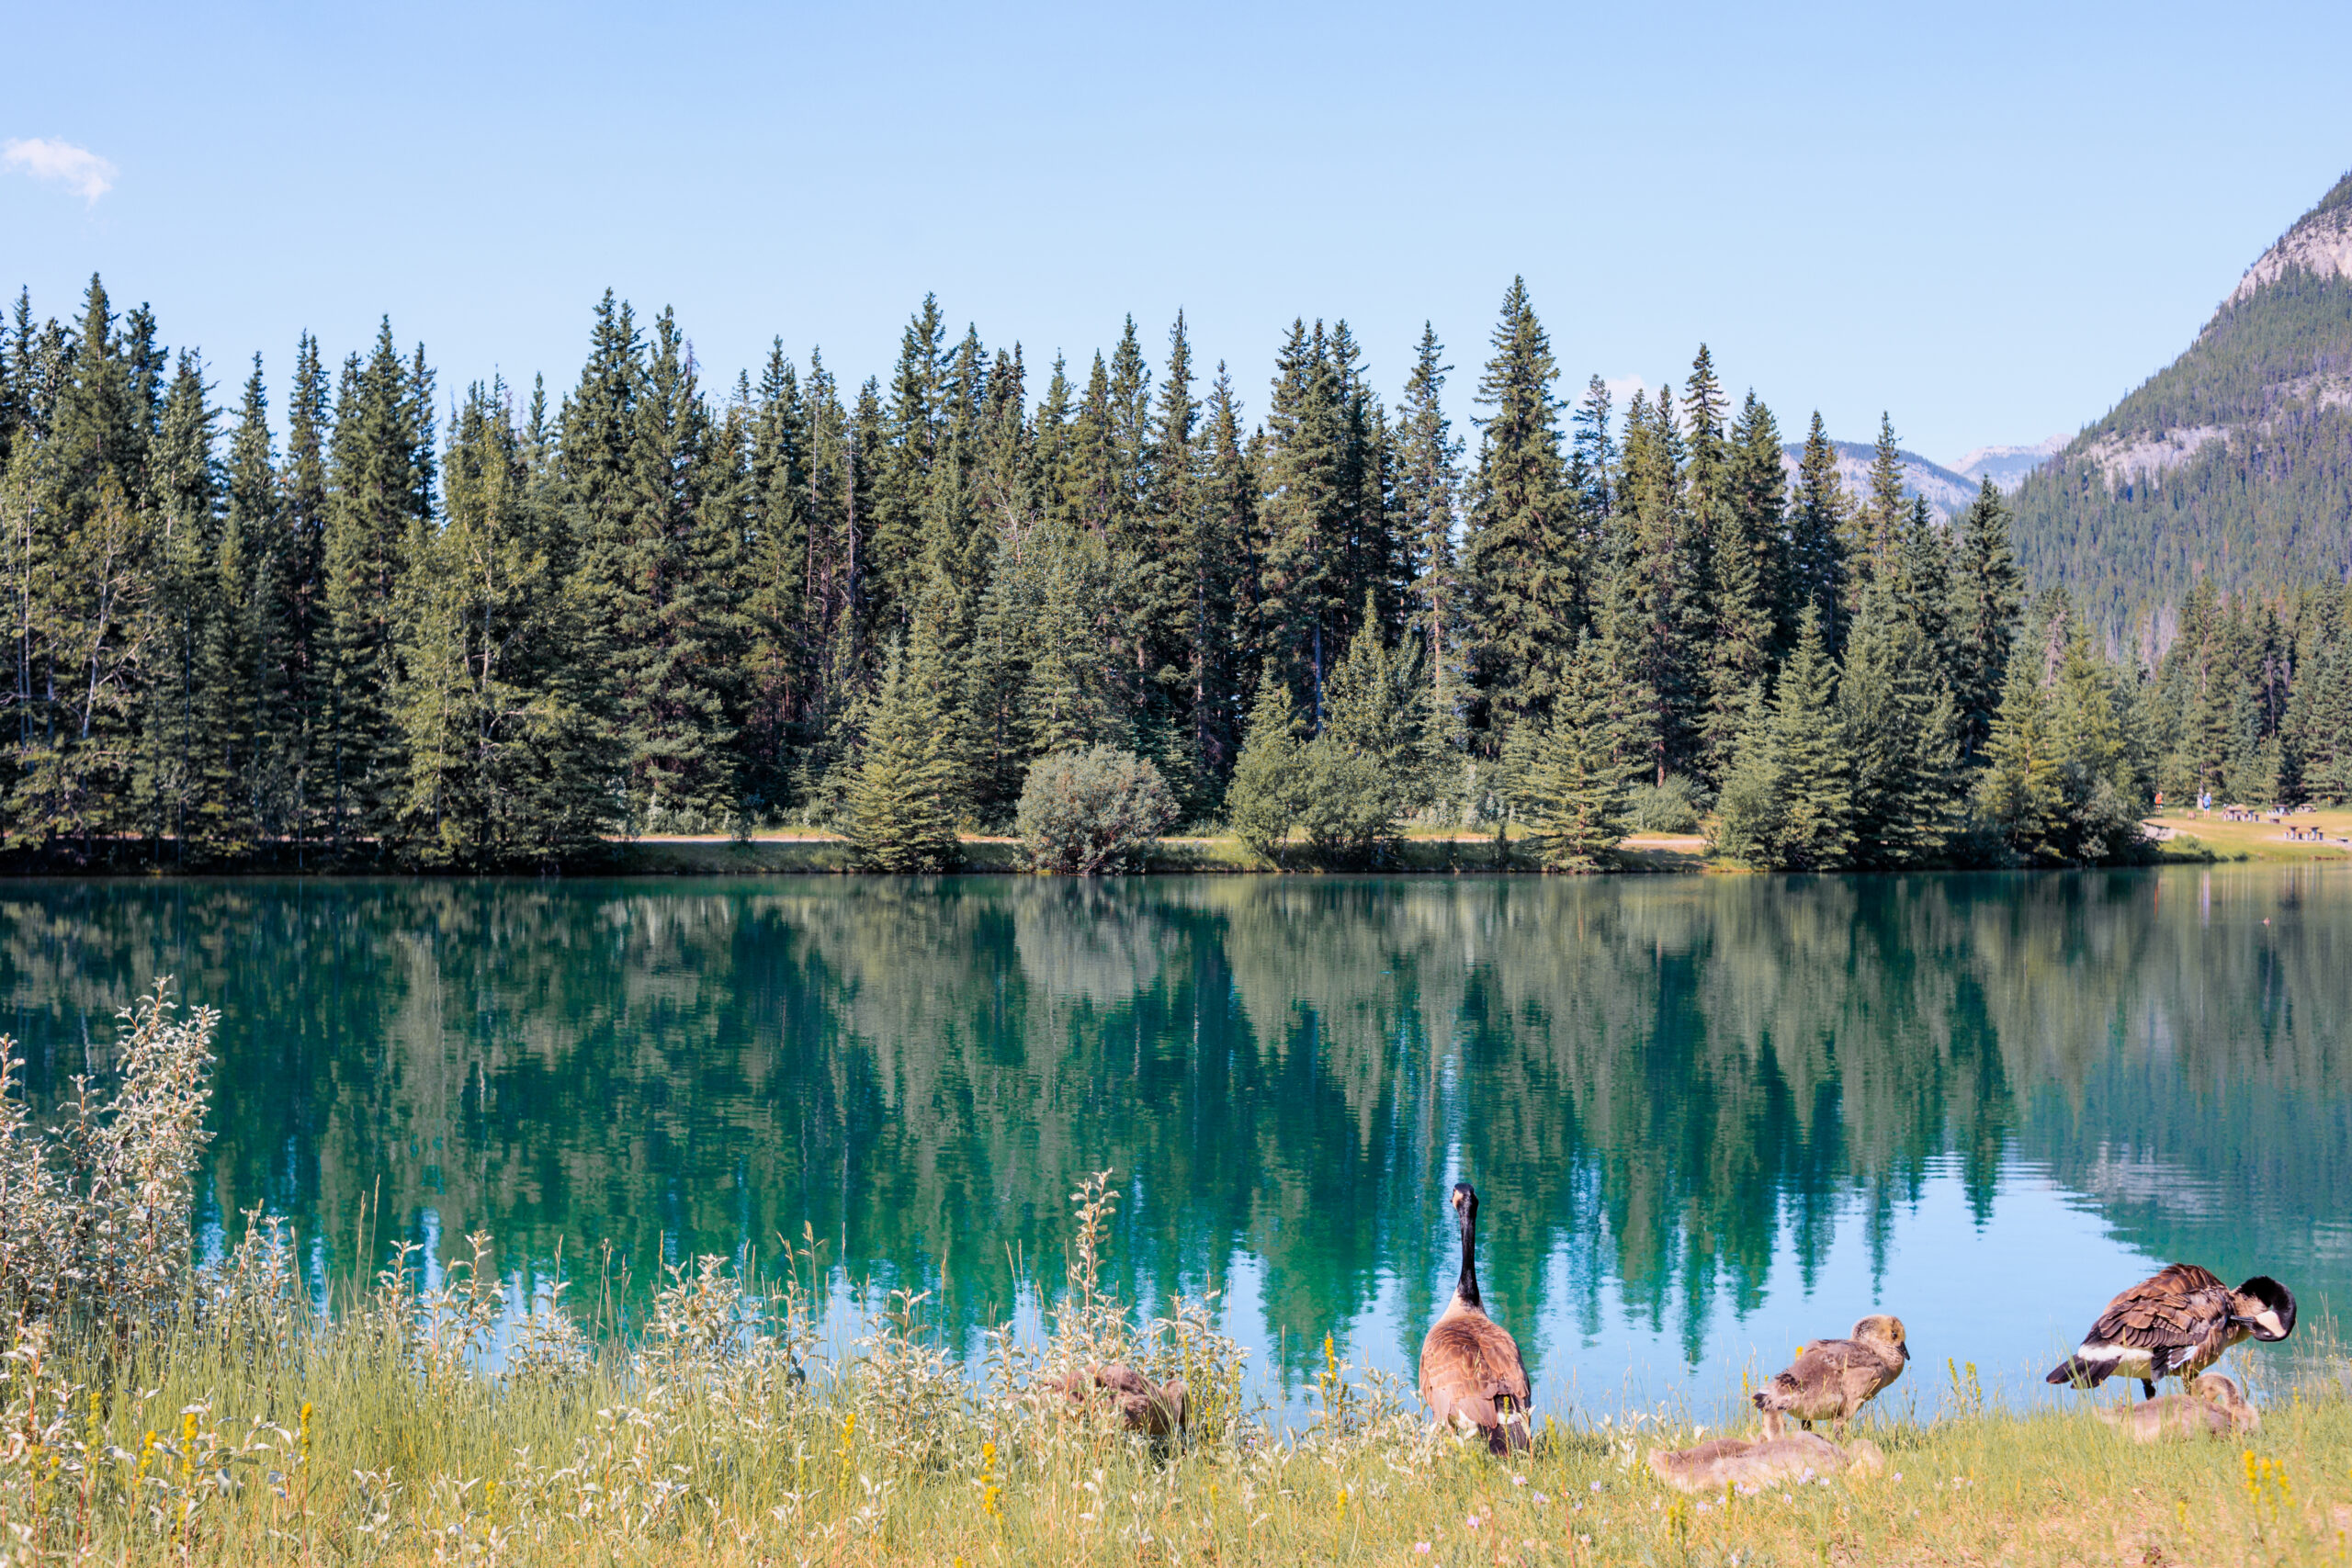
x,y
1817,539
1569,779
1269,787
1986,596
902,798
1522,573
379,506
1429,485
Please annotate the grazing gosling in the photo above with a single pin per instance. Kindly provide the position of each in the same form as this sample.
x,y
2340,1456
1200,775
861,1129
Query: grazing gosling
x,y
2211,1408
1153,1409
1471,1374
2174,1324
1832,1379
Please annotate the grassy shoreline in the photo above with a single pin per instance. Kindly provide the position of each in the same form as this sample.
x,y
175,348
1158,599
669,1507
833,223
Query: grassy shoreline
x,y
355,1447
2188,840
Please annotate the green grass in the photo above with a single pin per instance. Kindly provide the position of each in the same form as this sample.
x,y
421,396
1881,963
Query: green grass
x,y
339,1450
811,853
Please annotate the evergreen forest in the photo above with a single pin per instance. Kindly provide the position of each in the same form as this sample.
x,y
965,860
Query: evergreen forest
x,y
502,629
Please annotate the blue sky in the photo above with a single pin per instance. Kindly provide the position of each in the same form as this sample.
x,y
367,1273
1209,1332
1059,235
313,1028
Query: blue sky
x,y
1991,219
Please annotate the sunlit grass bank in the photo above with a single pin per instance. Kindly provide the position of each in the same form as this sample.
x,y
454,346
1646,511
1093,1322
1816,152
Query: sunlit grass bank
x,y
261,1433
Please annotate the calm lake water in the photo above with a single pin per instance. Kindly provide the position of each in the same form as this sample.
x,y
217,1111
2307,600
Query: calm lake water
x,y
1707,1116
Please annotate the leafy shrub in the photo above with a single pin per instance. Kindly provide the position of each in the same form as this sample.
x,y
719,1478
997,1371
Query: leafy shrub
x,y
97,1217
1088,812
1674,806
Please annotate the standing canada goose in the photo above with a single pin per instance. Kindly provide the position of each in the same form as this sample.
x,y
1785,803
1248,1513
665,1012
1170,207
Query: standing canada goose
x,y
1831,1378
1145,1406
2176,1325
2211,1408
1471,1374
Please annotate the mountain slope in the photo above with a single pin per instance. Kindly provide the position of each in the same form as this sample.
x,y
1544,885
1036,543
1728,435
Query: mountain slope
x,y
2233,462
1948,493
2008,466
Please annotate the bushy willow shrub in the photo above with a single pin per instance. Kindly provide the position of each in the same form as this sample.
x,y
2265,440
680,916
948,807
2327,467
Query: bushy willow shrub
x,y
95,1227
1085,813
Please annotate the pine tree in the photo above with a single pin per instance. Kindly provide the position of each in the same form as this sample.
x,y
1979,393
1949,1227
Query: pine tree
x,y
779,614
1305,515
183,483
231,787
1268,790
1428,483
1896,722
1817,524
1885,511
293,678
1368,764
1523,575
1811,782
1746,564
2021,790
902,797
1570,780
1986,596
379,506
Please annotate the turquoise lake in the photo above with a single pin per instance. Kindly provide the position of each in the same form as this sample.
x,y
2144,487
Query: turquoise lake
x,y
1708,1117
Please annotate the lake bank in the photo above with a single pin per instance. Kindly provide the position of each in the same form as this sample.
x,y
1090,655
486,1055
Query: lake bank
x,y
2185,839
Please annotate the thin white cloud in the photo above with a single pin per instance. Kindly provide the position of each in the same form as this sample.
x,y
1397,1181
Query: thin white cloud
x,y
45,158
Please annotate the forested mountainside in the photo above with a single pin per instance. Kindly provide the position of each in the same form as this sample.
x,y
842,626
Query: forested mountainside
x,y
2232,464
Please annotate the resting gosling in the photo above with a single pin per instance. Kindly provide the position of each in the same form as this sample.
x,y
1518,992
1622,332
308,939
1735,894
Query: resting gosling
x,y
1153,1409
2176,1324
1831,1378
1774,1460
1471,1374
2211,1408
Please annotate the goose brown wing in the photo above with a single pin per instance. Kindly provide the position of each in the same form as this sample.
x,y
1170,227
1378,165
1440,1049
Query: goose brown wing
x,y
2182,1308
1470,1368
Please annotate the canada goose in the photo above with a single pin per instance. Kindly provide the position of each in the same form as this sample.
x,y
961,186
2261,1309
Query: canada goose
x,y
2211,1408
1776,1458
1831,1378
1471,1374
2176,1324
1153,1409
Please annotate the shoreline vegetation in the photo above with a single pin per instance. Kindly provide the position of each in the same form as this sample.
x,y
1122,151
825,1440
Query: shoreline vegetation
x,y
394,630
2173,839
154,1411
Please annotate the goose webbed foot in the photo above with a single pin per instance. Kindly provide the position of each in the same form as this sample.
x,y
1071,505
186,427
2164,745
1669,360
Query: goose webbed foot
x,y
2150,1385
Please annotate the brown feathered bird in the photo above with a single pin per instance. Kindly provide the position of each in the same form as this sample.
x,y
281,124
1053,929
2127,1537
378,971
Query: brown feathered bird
x,y
1831,1378
2176,1325
2211,1408
1154,1409
1471,1374
1776,1458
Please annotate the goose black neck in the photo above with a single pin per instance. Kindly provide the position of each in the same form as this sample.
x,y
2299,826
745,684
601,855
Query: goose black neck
x,y
1466,1287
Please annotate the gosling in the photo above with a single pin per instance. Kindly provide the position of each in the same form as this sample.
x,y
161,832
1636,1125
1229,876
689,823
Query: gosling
x,y
1774,1460
1832,1379
1155,1410
2211,1408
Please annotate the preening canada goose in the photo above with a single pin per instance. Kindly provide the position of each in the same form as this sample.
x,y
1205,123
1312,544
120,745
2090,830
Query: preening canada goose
x,y
1154,1409
2211,1408
1831,1378
2176,1325
1471,1374
1770,1460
